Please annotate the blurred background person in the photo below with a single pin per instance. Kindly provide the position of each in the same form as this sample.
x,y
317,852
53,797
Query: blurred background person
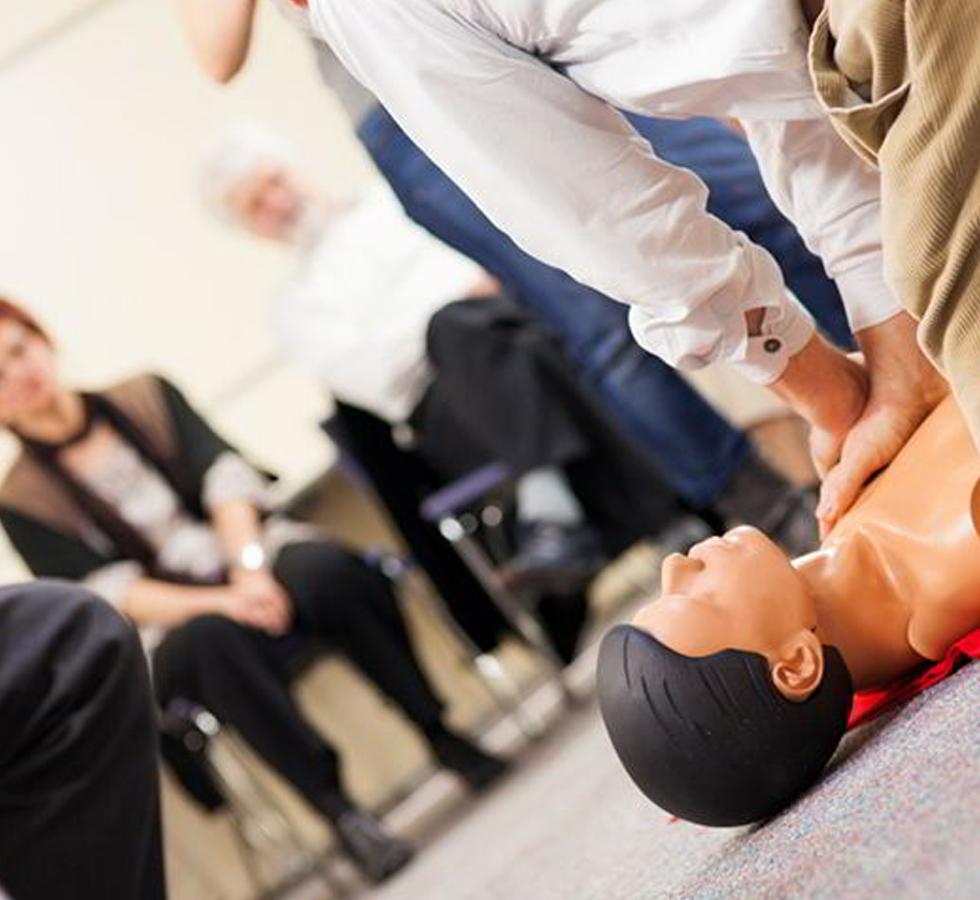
x,y
711,463
130,492
392,321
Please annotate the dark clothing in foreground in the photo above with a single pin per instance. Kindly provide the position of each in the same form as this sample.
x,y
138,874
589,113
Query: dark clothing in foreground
x,y
79,804
504,391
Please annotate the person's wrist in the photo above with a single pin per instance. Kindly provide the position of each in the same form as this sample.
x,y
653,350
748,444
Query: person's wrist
x,y
824,386
219,600
895,361
240,577
249,560
251,557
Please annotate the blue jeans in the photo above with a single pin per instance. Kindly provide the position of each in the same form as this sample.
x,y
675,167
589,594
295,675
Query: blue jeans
x,y
694,447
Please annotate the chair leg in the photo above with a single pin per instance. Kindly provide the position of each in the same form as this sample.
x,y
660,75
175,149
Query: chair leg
x,y
258,821
522,621
507,695
500,687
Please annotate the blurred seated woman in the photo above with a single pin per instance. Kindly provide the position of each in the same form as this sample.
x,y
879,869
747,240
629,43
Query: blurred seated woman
x,y
727,696
130,491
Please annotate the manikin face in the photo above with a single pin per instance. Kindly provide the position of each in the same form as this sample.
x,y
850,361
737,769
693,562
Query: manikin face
x,y
28,377
270,201
737,592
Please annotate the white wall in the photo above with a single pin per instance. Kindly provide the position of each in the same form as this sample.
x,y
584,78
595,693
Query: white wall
x,y
102,124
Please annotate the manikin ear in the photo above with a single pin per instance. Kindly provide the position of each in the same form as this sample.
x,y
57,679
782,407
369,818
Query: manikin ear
x,y
798,670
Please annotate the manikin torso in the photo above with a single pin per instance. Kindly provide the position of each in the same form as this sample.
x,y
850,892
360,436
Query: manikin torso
x,y
898,579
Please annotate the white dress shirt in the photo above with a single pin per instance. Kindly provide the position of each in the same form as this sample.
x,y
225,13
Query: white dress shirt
x,y
515,100
356,315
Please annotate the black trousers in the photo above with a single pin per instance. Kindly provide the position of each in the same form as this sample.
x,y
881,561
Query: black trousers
x,y
243,676
79,802
505,391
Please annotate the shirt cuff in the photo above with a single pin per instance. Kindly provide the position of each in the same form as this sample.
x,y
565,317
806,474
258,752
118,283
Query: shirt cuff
x,y
785,331
232,479
868,300
716,331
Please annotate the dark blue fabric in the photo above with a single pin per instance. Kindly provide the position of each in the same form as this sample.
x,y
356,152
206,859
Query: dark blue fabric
x,y
696,449
738,197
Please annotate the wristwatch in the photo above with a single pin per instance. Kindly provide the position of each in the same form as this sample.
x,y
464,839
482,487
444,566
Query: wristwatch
x,y
251,557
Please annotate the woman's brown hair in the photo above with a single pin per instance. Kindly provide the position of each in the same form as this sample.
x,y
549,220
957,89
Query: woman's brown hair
x,y
10,310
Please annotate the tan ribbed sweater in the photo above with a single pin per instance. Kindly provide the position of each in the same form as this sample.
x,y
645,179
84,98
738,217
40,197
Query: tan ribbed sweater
x,y
900,79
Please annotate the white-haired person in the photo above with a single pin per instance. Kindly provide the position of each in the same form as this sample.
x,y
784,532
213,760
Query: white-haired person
x,y
392,321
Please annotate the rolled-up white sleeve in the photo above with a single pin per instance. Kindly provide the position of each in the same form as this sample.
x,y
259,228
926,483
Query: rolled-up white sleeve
x,y
113,581
834,199
231,479
566,176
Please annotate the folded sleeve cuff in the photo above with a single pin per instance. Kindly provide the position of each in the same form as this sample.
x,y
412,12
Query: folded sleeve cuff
x,y
232,479
114,581
785,331
716,332
867,298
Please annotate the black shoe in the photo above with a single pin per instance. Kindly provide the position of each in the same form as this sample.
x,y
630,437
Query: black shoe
x,y
554,558
478,769
563,617
761,497
377,854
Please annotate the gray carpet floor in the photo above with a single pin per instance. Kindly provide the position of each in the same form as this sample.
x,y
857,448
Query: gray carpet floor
x,y
896,816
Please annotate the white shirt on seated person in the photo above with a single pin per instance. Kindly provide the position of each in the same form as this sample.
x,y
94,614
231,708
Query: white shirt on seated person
x,y
355,316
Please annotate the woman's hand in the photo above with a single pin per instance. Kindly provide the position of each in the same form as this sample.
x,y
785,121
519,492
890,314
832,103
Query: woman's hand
x,y
256,599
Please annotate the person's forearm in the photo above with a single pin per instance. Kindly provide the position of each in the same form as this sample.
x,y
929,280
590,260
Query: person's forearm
x,y
585,194
220,32
153,602
823,386
834,200
238,524
893,347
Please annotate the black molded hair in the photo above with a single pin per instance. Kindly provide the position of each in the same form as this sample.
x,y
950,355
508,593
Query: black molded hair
x,y
710,739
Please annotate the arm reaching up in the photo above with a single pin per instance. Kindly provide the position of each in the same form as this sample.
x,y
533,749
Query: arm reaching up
x,y
220,32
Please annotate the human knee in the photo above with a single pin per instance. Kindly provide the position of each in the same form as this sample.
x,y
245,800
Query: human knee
x,y
313,566
185,653
56,612
196,639
203,632
331,585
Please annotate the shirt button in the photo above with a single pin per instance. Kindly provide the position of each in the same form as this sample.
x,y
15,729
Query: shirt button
x,y
772,345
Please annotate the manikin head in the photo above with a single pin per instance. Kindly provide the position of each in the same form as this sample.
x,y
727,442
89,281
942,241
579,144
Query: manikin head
x,y
719,698
250,179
